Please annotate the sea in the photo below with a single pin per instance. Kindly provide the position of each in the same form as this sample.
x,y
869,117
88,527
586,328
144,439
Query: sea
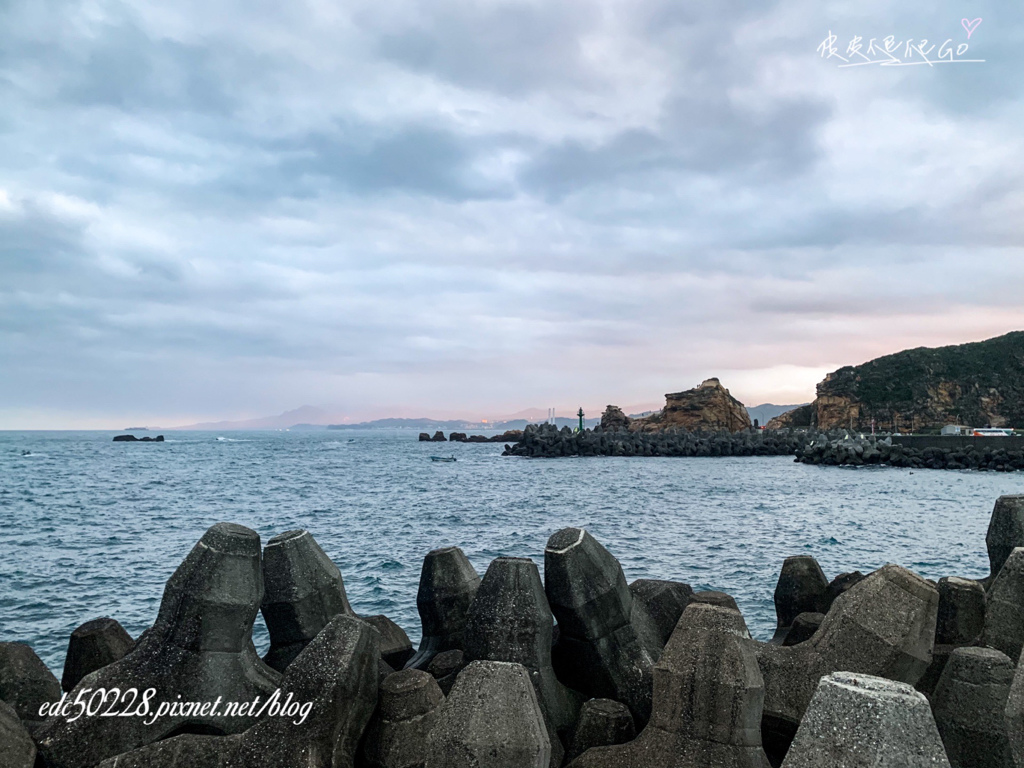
x,y
92,528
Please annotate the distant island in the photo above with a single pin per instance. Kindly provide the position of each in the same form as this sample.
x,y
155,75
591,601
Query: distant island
x,y
980,384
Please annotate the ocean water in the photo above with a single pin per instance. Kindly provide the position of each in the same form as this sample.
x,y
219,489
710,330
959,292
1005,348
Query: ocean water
x,y
91,528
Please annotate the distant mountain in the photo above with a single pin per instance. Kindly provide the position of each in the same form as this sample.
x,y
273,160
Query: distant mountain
x,y
310,417
306,417
768,411
421,424
531,415
980,384
425,425
539,415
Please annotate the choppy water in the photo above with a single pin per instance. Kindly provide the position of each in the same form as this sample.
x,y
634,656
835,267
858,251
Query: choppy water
x,y
91,528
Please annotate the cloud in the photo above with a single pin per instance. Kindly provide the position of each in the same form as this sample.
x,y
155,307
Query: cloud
x,y
227,210
510,48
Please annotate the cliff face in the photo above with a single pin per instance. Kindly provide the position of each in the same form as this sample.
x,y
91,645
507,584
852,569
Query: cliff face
x,y
801,416
979,384
708,407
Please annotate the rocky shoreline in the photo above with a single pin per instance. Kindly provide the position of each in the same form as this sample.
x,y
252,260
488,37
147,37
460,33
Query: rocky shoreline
x,y
885,669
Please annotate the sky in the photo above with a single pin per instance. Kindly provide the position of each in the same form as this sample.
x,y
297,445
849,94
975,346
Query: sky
x,y
227,209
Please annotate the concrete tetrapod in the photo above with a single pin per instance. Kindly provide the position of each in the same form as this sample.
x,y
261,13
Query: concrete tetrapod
x,y
335,676
602,723
93,646
304,591
448,584
970,704
862,721
383,669
186,751
804,627
1014,715
337,673
707,701
961,622
716,597
409,704
395,646
665,602
800,589
26,683
838,586
16,747
1004,608
1005,532
961,616
445,668
883,625
200,648
607,642
510,621
491,719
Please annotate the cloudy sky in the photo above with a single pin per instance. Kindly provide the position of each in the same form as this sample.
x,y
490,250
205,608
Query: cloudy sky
x,y
228,208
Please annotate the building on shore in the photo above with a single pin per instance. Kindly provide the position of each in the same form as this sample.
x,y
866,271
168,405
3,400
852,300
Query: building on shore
x,y
955,429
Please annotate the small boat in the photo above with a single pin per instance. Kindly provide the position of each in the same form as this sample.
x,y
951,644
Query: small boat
x,y
442,458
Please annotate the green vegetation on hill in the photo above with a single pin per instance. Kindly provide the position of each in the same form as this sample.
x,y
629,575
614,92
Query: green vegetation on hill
x,y
978,384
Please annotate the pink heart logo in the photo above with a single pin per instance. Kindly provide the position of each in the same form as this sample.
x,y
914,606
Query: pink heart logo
x,y
970,26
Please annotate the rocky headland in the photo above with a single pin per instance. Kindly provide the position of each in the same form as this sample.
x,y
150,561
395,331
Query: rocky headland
x,y
980,384
708,407
703,421
882,669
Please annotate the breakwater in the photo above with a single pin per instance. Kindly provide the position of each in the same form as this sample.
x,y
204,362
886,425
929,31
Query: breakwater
x,y
462,437
547,441
998,454
642,673
808,446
